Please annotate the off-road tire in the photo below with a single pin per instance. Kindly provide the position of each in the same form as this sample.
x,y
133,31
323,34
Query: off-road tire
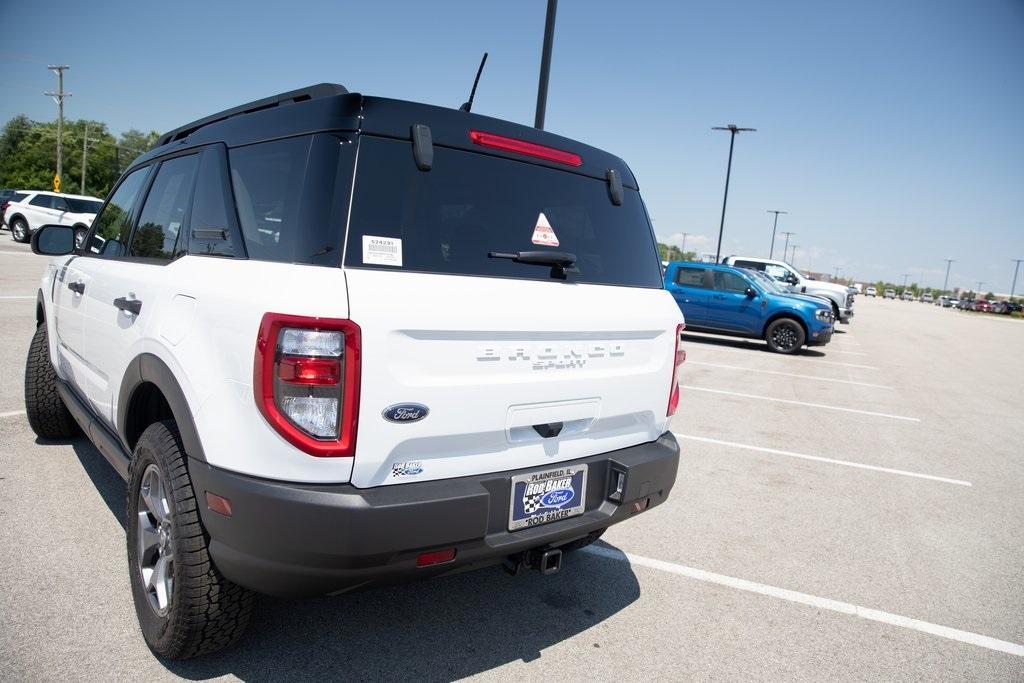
x,y
207,612
18,225
47,414
787,328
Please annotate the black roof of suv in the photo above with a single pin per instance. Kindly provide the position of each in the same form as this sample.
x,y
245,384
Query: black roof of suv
x,y
331,107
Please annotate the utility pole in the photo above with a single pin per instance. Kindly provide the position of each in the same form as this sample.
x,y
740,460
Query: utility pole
x,y
945,282
85,147
733,129
1016,267
905,276
683,248
545,65
980,283
835,275
785,249
771,251
58,97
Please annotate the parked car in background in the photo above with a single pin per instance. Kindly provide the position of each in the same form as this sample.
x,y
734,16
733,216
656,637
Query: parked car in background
x,y
38,208
1007,307
927,298
958,304
943,301
726,300
792,279
981,306
871,291
6,197
907,295
890,294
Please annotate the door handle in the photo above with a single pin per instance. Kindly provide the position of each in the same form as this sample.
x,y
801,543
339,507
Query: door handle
x,y
133,306
77,287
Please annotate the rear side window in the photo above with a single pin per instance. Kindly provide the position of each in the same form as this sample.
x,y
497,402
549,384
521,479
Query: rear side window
x,y
449,219
111,228
18,196
43,201
753,265
690,277
213,228
285,194
166,209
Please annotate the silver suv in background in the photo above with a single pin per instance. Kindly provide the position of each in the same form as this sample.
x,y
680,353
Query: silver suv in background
x,y
38,208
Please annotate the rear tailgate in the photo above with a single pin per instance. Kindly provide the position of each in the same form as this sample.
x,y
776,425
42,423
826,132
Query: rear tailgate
x,y
495,350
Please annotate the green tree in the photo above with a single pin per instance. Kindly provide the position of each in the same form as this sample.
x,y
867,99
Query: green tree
x,y
28,155
670,252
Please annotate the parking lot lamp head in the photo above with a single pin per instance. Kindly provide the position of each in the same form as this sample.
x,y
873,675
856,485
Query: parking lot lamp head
x,y
733,129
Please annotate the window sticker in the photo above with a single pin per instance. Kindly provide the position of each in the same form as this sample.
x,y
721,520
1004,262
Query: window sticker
x,y
543,233
382,251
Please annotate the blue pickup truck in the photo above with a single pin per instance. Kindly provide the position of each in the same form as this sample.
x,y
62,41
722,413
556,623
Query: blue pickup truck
x,y
737,301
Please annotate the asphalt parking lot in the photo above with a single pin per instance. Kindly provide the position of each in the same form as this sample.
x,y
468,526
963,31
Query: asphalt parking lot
x,y
853,512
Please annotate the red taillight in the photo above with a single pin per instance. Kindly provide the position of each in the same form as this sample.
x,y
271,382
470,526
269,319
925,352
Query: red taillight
x,y
523,147
306,375
435,557
678,359
317,371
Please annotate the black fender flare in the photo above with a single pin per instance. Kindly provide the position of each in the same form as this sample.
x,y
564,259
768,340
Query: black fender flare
x,y
40,308
147,367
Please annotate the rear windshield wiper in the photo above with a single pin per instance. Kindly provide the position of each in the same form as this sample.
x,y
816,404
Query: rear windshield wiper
x,y
561,262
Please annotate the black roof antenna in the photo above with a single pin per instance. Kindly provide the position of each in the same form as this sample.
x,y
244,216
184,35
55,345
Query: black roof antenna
x,y
472,93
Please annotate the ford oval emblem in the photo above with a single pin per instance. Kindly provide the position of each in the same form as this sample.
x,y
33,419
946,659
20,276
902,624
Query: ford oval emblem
x,y
556,498
405,412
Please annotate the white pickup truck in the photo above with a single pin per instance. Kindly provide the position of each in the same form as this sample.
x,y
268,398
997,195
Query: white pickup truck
x,y
840,296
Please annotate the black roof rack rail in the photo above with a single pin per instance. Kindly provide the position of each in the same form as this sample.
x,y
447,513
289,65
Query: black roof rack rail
x,y
312,92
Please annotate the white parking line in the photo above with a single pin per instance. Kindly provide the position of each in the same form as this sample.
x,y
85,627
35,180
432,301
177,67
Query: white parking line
x,y
787,374
817,458
848,353
17,297
16,253
813,601
800,403
809,361
12,413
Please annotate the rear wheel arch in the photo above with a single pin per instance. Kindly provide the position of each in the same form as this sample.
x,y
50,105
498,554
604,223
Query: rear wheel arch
x,y
150,393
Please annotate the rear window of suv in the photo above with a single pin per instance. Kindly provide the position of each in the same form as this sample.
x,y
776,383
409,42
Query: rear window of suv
x,y
447,220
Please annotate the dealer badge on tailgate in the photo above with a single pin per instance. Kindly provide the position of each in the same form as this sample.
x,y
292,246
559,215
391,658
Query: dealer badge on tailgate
x,y
542,497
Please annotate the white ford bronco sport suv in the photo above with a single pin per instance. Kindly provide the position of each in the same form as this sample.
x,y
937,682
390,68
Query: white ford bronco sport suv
x,y
840,296
334,341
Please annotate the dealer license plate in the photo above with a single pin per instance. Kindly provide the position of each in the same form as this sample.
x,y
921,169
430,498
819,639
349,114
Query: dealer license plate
x,y
542,497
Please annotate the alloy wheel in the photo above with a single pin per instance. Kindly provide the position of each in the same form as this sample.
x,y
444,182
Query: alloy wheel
x,y
784,337
155,557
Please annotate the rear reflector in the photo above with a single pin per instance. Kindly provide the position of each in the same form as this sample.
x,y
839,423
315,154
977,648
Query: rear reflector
x,y
678,359
218,504
319,371
435,557
523,147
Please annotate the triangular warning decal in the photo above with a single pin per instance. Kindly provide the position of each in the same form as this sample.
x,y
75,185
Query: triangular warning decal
x,y
543,233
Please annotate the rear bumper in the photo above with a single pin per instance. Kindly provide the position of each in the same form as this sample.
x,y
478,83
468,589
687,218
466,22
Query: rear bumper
x,y
291,539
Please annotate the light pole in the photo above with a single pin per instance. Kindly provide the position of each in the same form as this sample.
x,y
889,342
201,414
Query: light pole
x,y
733,129
835,276
905,276
683,248
545,65
785,249
1016,267
771,251
980,283
945,283
792,260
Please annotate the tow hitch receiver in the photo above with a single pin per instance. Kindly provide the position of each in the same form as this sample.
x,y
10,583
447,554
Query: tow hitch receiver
x,y
545,561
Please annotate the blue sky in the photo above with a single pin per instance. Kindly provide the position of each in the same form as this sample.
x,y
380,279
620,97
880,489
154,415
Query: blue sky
x,y
890,131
